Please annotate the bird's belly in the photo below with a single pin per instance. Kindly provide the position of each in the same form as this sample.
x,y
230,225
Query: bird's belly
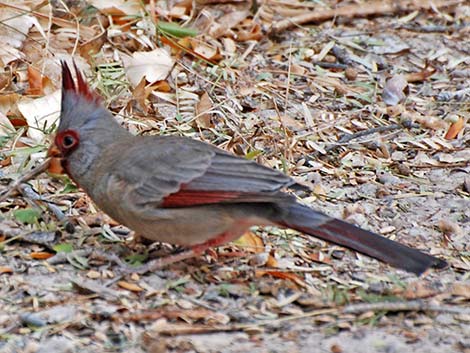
x,y
186,226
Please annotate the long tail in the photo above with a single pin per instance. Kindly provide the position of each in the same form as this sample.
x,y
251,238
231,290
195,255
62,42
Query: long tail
x,y
306,220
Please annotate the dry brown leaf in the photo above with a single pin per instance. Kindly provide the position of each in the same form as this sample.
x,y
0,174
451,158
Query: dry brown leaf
x,y
35,82
6,127
291,122
40,113
253,33
420,289
41,255
283,275
420,76
319,191
14,30
395,110
429,122
179,12
320,258
89,49
393,90
203,107
272,262
93,274
153,65
5,162
205,51
250,242
335,348
297,70
200,314
130,286
5,269
227,22
6,78
450,228
7,101
461,290
455,129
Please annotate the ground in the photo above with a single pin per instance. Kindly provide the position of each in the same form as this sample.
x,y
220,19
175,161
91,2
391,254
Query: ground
x,y
367,106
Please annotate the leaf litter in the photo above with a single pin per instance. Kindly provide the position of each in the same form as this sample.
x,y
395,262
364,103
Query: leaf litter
x,y
303,87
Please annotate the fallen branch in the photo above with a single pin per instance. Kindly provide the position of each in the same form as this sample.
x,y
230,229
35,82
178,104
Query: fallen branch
x,y
359,10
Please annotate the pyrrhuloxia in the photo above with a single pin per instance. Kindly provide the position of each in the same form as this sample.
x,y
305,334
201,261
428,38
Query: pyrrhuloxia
x,y
186,192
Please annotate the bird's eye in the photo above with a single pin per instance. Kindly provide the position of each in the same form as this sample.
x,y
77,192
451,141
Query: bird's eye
x,y
68,141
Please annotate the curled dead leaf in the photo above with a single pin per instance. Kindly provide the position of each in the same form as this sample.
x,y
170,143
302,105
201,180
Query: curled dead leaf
x,y
40,113
253,33
395,110
455,129
205,50
283,275
320,258
130,286
393,92
421,75
449,228
41,255
5,269
461,290
154,66
203,118
6,127
250,242
421,289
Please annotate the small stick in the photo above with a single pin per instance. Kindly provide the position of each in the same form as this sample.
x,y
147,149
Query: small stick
x,y
29,193
15,187
412,305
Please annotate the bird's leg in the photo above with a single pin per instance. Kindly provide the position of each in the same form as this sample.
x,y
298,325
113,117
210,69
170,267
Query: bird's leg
x,y
193,251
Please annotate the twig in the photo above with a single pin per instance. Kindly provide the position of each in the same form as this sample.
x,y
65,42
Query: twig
x,y
326,65
346,138
15,187
63,257
457,95
351,11
413,305
185,329
29,193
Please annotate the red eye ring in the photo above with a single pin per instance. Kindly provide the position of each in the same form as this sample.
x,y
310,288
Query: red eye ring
x,y
67,140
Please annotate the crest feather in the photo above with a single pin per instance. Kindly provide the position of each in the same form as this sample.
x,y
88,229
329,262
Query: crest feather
x,y
81,88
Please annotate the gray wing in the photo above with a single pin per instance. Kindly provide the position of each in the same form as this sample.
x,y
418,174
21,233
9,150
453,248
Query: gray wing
x,y
180,165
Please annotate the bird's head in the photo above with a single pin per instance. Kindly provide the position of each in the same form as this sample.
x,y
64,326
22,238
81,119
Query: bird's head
x,y
85,124
79,107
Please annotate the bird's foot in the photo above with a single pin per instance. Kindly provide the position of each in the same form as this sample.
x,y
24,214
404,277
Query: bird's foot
x,y
152,265
159,263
